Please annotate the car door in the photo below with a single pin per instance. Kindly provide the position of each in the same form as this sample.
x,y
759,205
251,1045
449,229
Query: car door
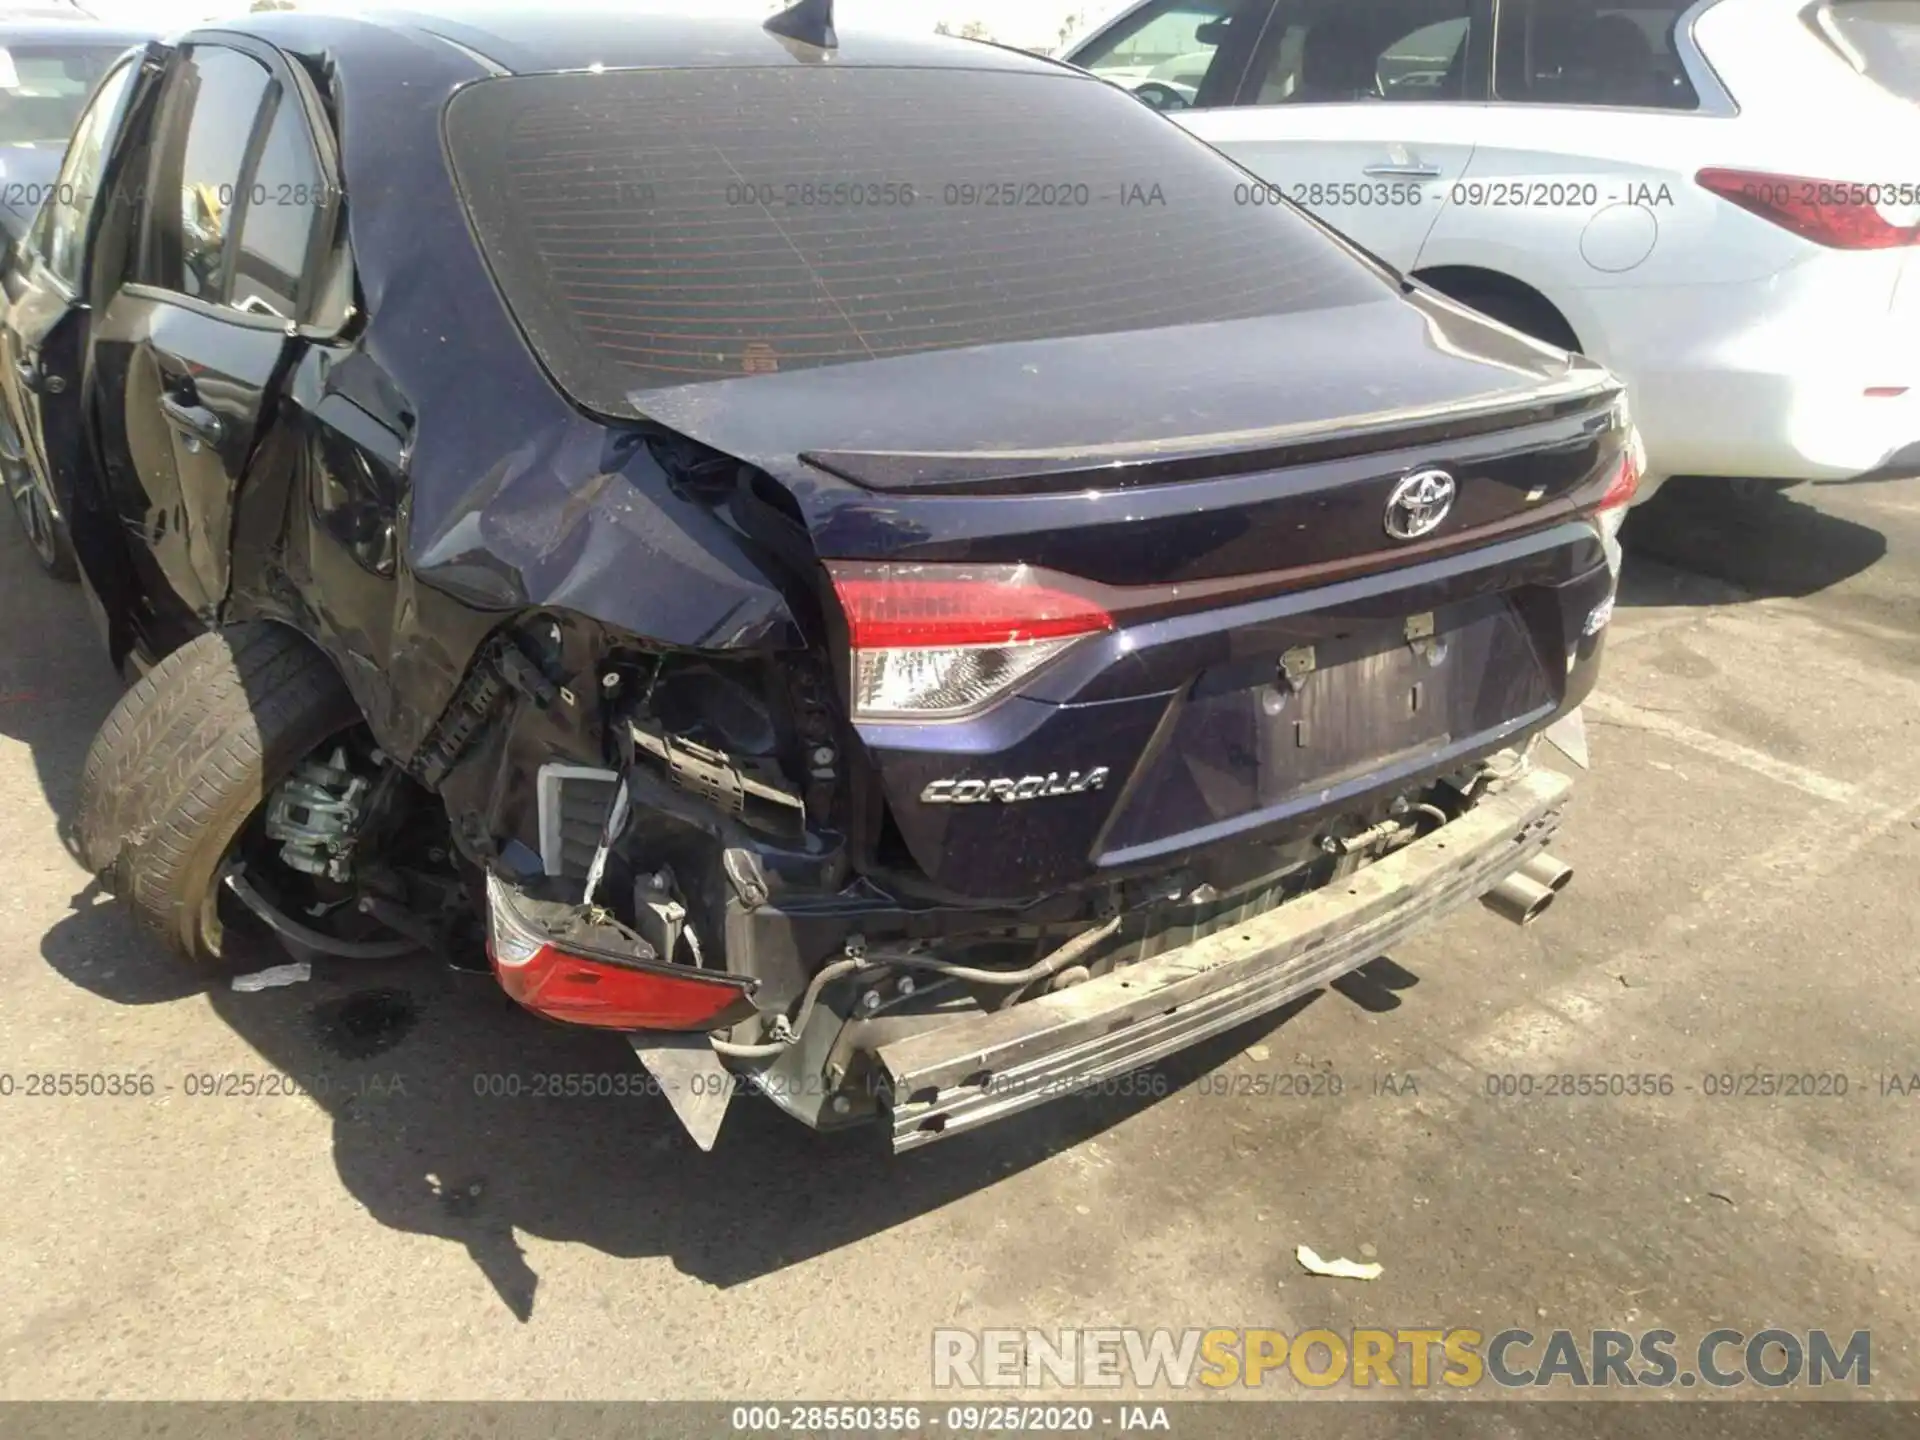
x,y
39,326
1582,184
187,353
1363,111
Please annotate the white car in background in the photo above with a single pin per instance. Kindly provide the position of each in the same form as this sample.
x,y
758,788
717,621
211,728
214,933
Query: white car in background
x,y
1718,200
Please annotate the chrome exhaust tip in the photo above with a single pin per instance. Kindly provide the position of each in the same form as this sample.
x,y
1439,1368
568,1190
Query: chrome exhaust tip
x,y
1548,870
1518,899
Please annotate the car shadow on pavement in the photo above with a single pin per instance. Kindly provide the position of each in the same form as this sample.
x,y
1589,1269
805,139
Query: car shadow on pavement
x,y
56,685
55,688
1692,534
452,1119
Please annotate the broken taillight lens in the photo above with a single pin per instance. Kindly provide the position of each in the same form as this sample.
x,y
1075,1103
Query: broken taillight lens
x,y
583,990
1612,512
935,642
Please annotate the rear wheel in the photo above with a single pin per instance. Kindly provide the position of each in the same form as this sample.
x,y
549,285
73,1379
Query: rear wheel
x,y
183,764
45,533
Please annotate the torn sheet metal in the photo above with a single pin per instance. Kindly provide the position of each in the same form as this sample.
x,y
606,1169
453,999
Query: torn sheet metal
x,y
273,977
446,492
1568,735
692,1078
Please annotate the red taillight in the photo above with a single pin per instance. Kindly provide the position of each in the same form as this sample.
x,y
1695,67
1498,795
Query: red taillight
x,y
1839,214
1626,479
585,991
934,642
892,606
613,997
1611,513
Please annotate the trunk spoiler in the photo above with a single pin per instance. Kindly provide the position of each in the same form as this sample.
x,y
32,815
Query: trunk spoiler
x,y
1201,457
1138,407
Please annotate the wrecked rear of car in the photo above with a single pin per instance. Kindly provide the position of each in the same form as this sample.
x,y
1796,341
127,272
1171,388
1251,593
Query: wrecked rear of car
x,y
875,577
1161,580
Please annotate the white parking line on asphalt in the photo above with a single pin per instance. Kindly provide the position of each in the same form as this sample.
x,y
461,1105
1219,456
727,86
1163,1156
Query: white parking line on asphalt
x,y
1610,709
1537,1033
1630,629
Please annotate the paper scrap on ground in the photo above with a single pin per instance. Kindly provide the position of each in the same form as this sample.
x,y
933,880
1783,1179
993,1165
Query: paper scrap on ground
x,y
1336,1269
277,975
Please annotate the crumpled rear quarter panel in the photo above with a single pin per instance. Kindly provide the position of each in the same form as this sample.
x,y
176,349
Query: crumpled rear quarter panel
x,y
506,497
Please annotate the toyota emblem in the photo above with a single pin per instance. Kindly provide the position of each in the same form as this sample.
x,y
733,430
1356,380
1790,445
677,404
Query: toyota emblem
x,y
1419,503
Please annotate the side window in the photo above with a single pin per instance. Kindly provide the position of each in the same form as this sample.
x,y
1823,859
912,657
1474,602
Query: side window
x,y
1550,52
208,117
284,201
60,233
1419,66
1164,50
1352,51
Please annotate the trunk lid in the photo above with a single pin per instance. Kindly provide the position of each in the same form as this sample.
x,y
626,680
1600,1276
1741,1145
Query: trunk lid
x,y
1223,497
1277,657
997,334
1169,456
1199,745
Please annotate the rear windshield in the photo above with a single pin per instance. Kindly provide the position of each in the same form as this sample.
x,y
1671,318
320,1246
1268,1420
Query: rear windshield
x,y
657,228
43,86
1882,37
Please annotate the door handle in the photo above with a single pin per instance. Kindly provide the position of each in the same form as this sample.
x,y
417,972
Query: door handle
x,y
1407,171
29,373
194,421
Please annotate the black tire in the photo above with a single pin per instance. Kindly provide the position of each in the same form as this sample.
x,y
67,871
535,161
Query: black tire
x,y
186,758
1524,313
46,534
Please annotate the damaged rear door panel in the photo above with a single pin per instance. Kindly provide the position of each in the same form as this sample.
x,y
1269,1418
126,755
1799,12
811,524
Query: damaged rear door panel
x,y
190,347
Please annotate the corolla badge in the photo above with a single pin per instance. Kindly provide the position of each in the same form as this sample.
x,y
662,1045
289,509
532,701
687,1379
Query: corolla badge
x,y
1009,791
1419,503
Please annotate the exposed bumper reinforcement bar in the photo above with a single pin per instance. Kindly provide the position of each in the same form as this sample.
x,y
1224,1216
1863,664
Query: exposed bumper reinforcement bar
x,y
986,1067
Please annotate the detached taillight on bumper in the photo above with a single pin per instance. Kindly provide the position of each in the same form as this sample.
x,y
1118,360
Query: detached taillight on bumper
x,y
601,990
940,642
